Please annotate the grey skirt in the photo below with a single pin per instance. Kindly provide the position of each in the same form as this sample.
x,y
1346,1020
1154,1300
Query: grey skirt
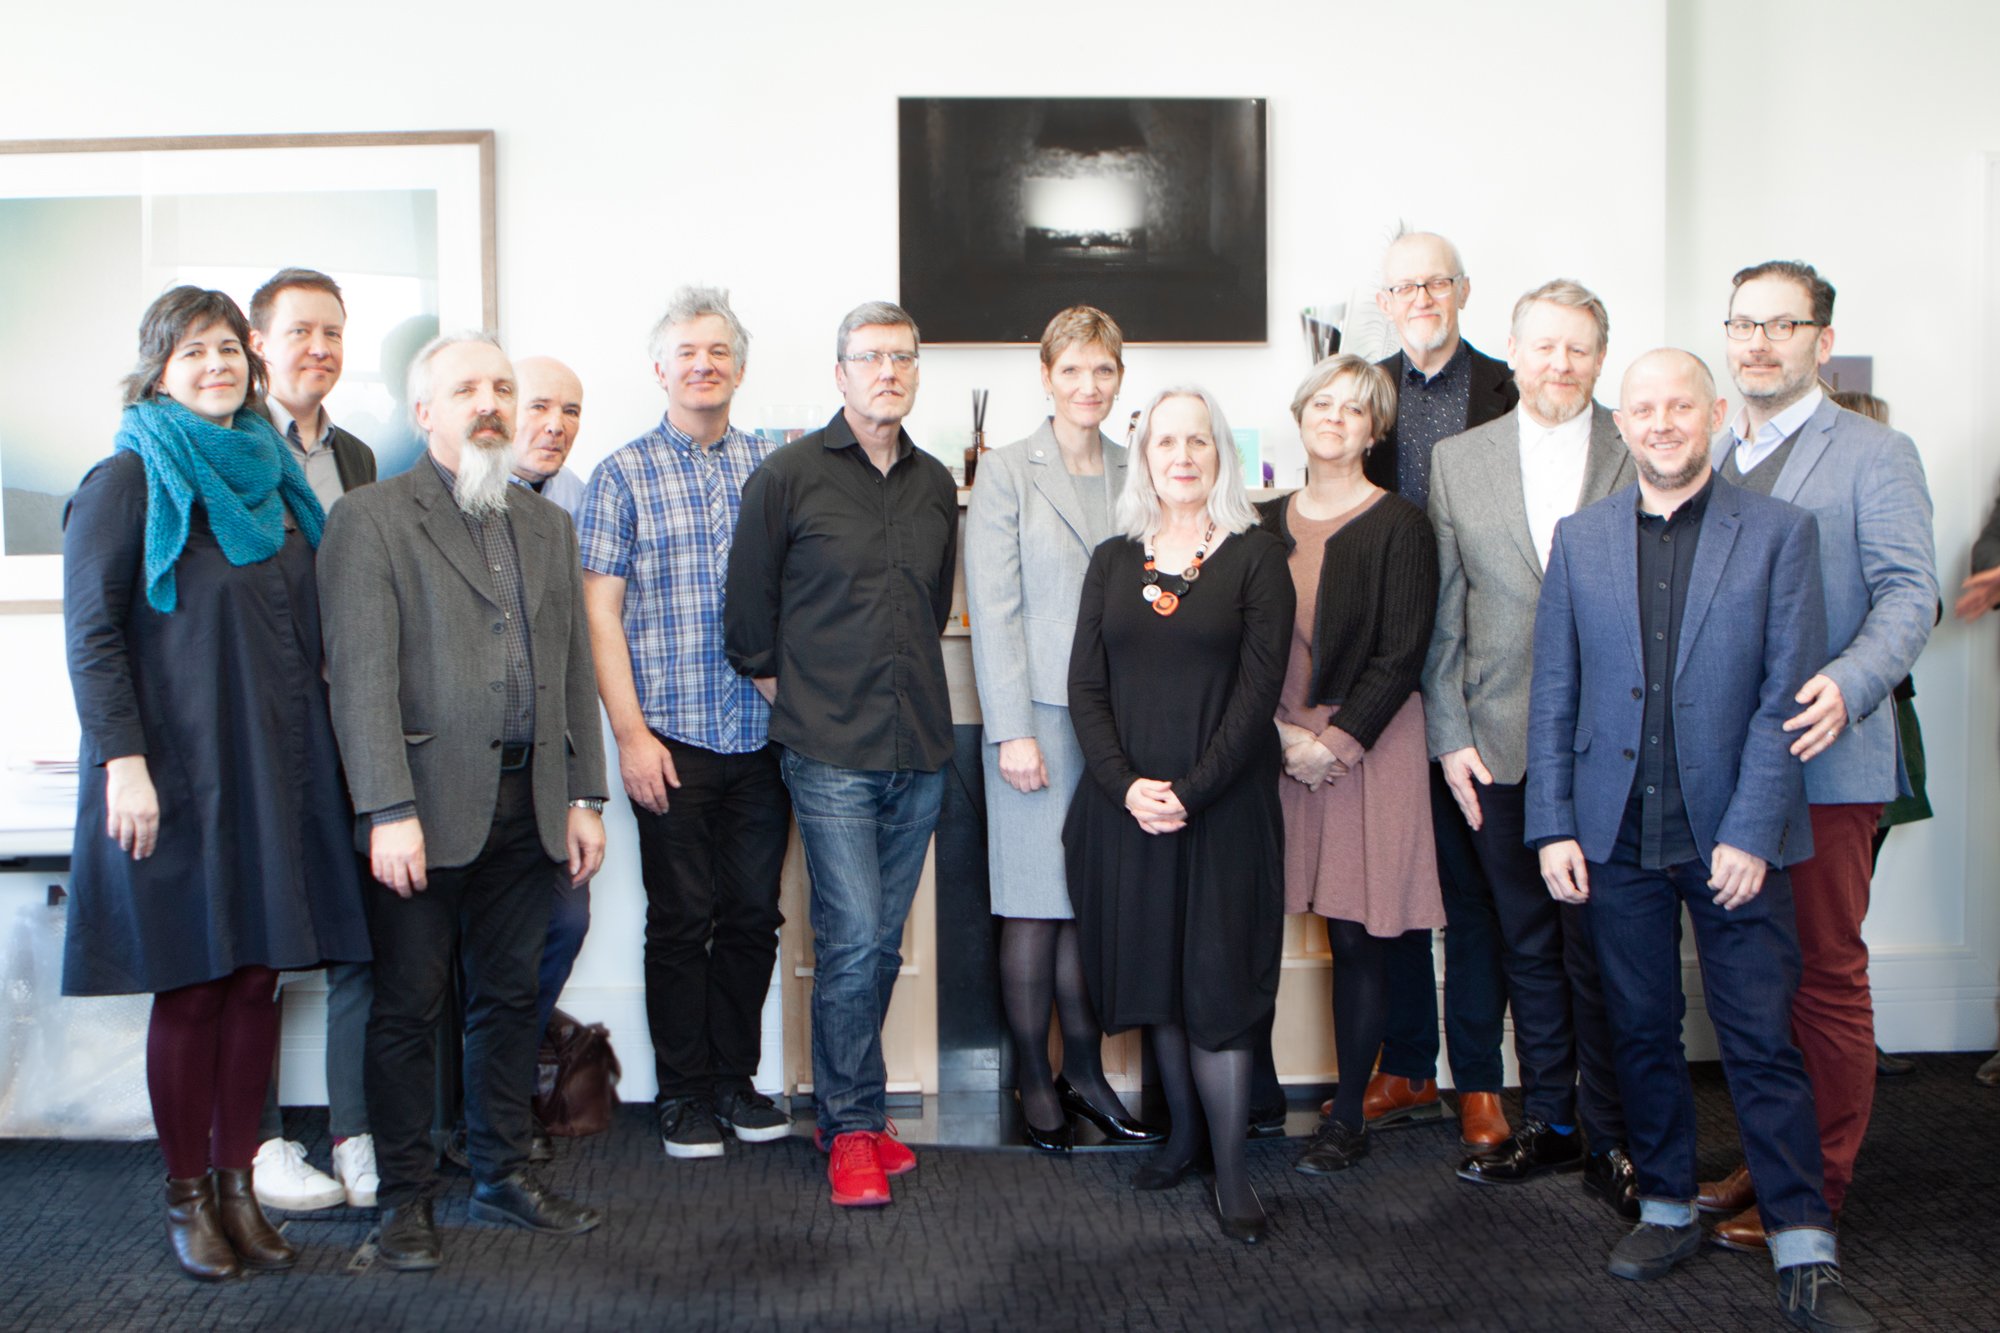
x,y
1024,847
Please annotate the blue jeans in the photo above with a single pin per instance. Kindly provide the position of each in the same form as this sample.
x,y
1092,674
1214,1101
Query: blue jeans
x,y
865,834
1749,970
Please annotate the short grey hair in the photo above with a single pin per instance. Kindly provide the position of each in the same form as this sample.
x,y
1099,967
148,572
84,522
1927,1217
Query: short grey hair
x,y
418,385
873,312
1138,513
1565,291
691,302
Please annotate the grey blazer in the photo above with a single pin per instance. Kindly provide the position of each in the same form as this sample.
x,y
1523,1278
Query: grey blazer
x,y
1865,485
415,658
1026,549
1489,579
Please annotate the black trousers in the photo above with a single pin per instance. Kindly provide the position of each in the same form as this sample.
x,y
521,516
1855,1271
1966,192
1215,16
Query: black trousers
x,y
1561,1029
495,910
711,867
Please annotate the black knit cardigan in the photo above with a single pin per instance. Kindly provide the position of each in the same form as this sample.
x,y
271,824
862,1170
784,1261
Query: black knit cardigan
x,y
1378,590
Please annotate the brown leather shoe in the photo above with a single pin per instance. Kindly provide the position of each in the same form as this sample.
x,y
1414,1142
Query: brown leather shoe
x,y
1392,1099
256,1242
1481,1122
1743,1232
194,1230
1732,1194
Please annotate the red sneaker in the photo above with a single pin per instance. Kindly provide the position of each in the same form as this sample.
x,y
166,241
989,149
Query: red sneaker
x,y
896,1157
856,1173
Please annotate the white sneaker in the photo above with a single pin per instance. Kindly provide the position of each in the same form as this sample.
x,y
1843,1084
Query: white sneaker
x,y
284,1179
354,1163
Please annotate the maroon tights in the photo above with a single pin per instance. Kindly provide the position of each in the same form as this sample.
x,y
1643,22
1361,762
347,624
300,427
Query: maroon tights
x,y
208,1060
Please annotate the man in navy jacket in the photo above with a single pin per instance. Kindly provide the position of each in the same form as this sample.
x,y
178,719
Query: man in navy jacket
x,y
1678,619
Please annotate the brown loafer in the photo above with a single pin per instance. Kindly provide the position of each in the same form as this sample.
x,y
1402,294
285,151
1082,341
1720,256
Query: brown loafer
x,y
1732,1194
1392,1099
1743,1233
194,1230
1481,1122
256,1242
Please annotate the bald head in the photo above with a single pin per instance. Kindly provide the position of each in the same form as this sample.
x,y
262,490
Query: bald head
x,y
1423,288
1667,410
550,416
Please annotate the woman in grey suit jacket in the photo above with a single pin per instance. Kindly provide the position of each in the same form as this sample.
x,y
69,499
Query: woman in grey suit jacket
x,y
1039,507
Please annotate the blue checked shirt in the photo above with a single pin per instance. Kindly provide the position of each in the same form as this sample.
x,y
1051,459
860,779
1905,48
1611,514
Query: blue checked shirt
x,y
661,514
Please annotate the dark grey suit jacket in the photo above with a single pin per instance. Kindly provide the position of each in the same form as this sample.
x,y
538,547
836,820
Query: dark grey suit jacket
x,y
1491,394
354,460
1489,579
416,658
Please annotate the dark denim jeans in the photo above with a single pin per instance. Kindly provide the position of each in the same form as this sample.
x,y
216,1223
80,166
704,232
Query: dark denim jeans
x,y
1749,971
865,834
569,922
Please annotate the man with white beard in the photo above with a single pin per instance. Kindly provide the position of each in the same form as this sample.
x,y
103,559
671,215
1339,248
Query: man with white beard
x,y
1496,494
458,655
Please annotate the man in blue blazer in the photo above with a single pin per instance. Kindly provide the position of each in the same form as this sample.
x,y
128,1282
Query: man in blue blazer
x,y
1865,485
1678,620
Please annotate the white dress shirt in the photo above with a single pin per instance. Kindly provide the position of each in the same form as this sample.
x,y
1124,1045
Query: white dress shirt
x,y
1750,451
1552,463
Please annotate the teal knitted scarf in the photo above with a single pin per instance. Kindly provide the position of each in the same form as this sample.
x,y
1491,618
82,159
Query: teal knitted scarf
x,y
243,475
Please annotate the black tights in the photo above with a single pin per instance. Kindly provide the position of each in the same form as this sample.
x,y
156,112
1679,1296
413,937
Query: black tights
x,y
1208,1094
1041,964
1360,1011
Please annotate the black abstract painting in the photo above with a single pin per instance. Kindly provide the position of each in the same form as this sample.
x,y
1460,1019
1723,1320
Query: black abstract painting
x,y
1149,208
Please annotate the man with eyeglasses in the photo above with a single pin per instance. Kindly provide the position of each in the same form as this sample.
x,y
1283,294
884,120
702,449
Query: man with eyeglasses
x,y
1444,387
1865,485
839,585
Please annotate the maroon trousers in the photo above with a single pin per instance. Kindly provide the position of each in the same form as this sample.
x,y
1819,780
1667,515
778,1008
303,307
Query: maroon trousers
x,y
1833,1015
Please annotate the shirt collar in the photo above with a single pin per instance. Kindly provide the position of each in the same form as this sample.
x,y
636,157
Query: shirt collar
x,y
1782,425
686,443
840,435
1570,433
1690,510
1457,360
288,426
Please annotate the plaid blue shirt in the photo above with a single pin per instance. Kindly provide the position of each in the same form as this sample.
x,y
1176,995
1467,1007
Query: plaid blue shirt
x,y
661,514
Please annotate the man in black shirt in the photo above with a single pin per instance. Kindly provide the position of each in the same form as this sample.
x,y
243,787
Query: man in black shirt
x,y
1678,620
839,586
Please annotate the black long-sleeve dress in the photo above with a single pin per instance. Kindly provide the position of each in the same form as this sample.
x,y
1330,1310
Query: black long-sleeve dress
x,y
255,861
1181,928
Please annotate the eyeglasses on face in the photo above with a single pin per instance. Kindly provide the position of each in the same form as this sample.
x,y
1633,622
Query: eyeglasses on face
x,y
900,360
1777,330
1438,287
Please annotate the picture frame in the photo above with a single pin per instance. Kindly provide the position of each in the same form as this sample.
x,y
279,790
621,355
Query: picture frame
x,y
92,230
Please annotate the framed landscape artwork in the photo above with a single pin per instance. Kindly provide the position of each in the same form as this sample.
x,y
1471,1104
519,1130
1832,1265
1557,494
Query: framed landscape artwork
x,y
1151,208
92,230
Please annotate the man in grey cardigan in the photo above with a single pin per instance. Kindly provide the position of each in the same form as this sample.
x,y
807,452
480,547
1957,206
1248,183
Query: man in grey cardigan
x,y
464,701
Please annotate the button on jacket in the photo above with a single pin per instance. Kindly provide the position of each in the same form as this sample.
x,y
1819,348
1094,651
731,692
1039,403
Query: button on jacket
x,y
839,585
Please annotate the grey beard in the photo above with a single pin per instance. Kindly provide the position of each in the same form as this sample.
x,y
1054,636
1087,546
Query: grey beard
x,y
1554,412
482,479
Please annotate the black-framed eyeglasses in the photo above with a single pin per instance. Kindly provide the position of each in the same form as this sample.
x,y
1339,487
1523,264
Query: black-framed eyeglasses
x,y
1439,287
900,360
1777,330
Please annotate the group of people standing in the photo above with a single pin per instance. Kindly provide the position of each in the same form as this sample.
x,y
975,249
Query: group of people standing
x,y
1508,664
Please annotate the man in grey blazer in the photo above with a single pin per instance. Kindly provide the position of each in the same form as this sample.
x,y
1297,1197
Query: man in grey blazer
x,y
1678,620
1865,485
465,704
1497,492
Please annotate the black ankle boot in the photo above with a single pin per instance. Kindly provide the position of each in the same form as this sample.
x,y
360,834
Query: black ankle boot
x,y
194,1230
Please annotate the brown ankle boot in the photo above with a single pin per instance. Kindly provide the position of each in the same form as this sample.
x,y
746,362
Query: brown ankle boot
x,y
256,1242
194,1230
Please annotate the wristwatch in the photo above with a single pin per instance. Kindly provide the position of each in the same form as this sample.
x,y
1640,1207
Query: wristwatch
x,y
594,804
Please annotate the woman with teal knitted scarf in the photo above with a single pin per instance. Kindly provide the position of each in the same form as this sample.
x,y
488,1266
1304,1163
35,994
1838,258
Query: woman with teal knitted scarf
x,y
214,842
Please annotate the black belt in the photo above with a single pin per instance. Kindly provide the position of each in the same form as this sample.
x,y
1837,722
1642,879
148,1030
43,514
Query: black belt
x,y
515,756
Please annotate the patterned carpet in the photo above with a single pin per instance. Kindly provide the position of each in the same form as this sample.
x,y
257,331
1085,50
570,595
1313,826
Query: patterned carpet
x,y
1006,1239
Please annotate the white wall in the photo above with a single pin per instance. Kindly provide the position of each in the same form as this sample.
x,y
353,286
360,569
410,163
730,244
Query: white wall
x,y
754,146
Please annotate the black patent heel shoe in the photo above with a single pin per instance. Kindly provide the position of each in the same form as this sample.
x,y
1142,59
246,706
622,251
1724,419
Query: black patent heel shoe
x,y
1118,1128
1250,1230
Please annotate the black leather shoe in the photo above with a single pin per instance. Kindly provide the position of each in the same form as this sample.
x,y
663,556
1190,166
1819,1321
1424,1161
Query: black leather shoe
x,y
1812,1296
1611,1177
409,1242
1056,1140
1154,1176
1888,1066
1532,1150
520,1200
1251,1229
1336,1145
1116,1126
1268,1122
1651,1250
541,1148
